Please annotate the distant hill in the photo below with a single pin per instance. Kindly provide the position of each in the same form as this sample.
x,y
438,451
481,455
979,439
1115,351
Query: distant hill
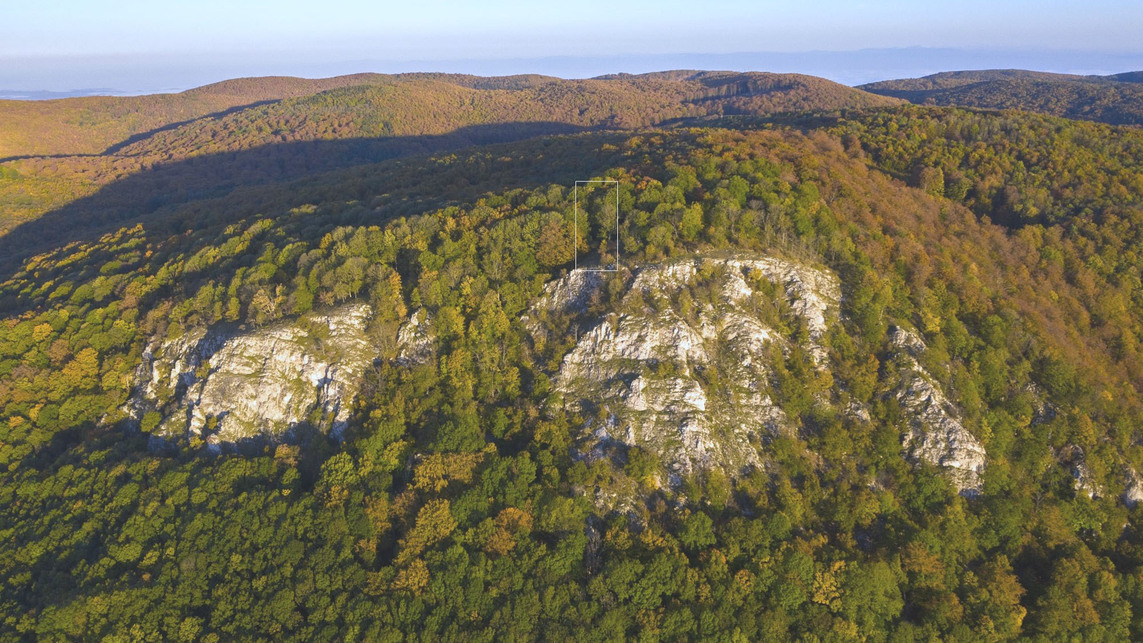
x,y
420,105
89,125
53,152
92,125
1116,99
1128,77
40,94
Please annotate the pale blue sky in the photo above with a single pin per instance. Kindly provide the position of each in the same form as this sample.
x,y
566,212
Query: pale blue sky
x,y
277,36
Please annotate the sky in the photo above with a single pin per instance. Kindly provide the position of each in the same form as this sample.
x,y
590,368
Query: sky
x,y
155,45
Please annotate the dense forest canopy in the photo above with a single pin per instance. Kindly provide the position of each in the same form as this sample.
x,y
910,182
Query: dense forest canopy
x,y
54,152
457,502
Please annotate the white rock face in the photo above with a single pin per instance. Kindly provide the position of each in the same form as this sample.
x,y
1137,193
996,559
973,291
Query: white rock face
x,y
415,340
1083,481
633,337
1133,489
814,295
1074,460
225,386
573,292
647,369
1042,409
935,435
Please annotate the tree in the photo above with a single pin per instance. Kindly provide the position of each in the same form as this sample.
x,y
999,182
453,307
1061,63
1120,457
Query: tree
x,y
434,523
554,245
691,223
697,531
871,596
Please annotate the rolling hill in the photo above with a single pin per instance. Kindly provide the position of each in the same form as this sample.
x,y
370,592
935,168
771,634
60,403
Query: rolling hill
x,y
1115,99
92,125
78,145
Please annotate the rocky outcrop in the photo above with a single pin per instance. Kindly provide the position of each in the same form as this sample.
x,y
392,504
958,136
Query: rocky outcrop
x,y
1073,458
223,385
689,382
1042,409
1132,488
573,292
934,434
415,339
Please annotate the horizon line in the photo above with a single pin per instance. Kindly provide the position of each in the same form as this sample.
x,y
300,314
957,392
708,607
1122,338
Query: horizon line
x,y
60,76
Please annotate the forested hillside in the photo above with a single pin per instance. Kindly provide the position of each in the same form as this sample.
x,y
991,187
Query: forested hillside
x,y
866,371
90,125
284,128
1116,99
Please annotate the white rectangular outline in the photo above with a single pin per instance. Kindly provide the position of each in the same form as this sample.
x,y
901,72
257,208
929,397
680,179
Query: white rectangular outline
x,y
575,223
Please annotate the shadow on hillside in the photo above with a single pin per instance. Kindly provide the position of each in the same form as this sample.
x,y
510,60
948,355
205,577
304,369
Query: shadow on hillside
x,y
152,196
135,138
115,149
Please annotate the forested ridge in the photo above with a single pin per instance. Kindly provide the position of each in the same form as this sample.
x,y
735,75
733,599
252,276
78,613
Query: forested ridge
x,y
455,505
279,128
1114,99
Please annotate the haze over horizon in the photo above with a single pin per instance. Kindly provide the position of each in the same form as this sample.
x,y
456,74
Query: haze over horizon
x,y
130,47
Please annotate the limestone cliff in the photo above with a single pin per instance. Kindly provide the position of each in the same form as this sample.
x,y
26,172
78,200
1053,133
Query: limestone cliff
x,y
680,361
934,434
682,366
223,385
